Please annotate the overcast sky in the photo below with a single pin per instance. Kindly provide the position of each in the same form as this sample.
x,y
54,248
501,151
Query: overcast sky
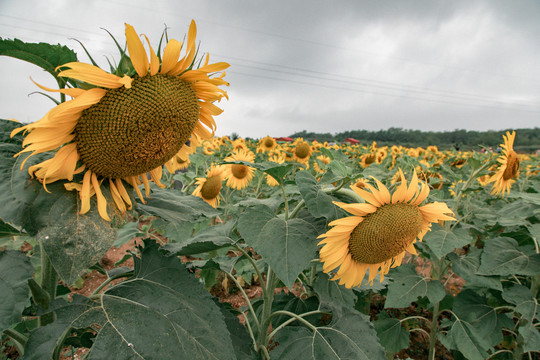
x,y
322,66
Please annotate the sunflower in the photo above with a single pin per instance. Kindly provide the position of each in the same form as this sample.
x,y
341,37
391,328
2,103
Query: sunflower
x,y
302,151
508,170
380,231
238,176
125,128
209,187
367,159
279,159
267,144
324,160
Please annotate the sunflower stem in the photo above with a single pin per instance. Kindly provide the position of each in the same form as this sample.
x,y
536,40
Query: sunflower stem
x,y
248,301
438,265
19,340
49,280
268,299
286,202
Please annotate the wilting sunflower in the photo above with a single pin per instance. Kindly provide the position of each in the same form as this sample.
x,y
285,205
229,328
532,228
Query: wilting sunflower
x,y
209,187
380,231
508,170
127,127
238,176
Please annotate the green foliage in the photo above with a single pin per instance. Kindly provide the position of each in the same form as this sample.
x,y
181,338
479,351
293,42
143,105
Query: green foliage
x,y
15,270
286,245
44,55
351,336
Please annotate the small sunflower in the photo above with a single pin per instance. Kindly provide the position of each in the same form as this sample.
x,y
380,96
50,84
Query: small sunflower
x,y
124,128
238,176
302,151
323,159
209,187
279,159
508,170
267,144
367,159
380,231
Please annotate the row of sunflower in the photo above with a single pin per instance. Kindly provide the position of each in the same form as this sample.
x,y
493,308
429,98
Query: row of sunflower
x,y
325,233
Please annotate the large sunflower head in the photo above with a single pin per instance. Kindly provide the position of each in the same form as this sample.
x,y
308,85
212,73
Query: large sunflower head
x,y
238,175
380,231
125,128
509,169
209,187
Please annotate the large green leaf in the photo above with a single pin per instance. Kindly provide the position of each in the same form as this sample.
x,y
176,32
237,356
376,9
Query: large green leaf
x,y
332,294
44,55
317,201
215,237
503,256
162,312
531,337
407,286
286,245
526,304
44,341
351,336
74,242
15,270
391,334
442,242
174,206
467,268
476,326
7,230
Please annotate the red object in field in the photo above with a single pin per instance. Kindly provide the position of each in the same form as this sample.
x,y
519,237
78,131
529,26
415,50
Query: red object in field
x,y
352,141
284,139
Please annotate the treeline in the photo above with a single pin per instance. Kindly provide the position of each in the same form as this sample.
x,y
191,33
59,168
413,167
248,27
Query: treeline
x,y
527,140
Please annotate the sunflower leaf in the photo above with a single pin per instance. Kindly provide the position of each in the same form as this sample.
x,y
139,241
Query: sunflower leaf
x,y
74,242
162,312
350,336
330,292
391,334
503,256
8,230
318,202
286,245
467,268
442,242
212,238
46,56
277,171
15,270
407,286
526,304
174,206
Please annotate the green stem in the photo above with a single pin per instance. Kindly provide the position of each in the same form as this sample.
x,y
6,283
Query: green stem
x,y
248,301
263,284
414,317
106,282
286,202
49,280
19,340
433,332
268,299
294,317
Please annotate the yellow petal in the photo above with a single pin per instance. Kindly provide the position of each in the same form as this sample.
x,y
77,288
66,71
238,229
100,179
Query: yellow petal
x,y
85,192
92,75
136,51
171,53
101,201
154,60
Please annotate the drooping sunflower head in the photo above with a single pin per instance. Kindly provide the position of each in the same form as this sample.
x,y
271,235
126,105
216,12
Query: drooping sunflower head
x,y
125,128
209,187
508,171
238,175
380,232
367,159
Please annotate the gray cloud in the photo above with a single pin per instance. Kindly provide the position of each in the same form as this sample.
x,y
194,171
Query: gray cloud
x,y
318,65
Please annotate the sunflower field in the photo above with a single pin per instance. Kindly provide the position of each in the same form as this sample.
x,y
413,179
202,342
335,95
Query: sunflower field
x,y
232,248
